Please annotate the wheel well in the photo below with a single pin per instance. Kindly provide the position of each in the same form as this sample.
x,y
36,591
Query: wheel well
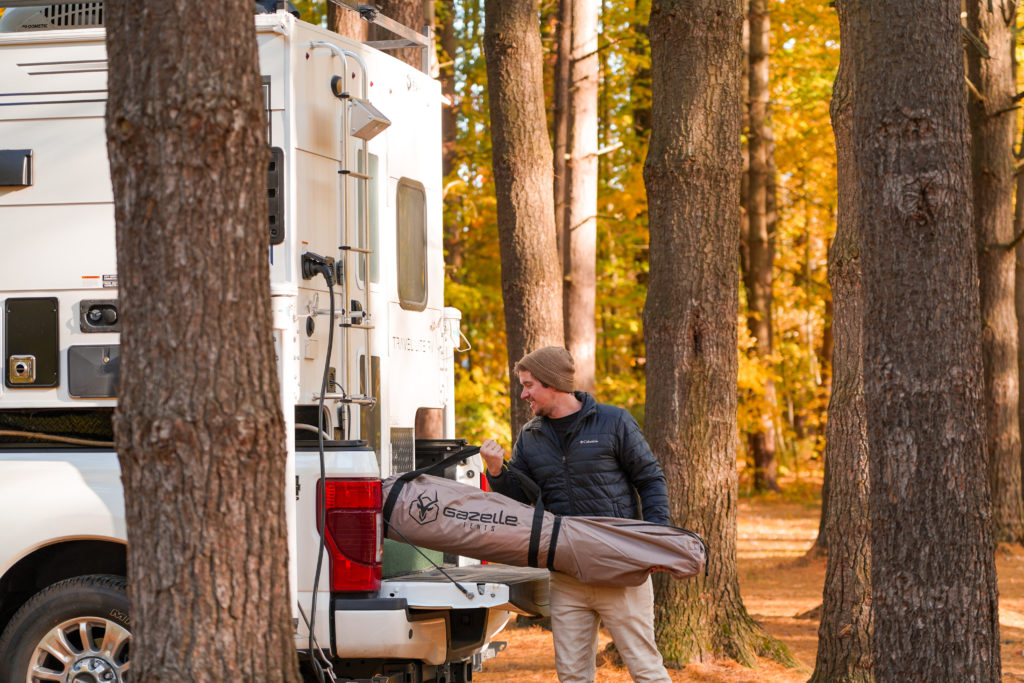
x,y
54,563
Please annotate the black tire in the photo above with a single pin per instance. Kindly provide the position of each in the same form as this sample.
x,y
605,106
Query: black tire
x,y
96,605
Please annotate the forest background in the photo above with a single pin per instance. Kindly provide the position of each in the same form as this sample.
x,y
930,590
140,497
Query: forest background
x,y
804,58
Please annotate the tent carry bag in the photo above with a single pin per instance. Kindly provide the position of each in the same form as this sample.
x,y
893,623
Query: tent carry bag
x,y
445,515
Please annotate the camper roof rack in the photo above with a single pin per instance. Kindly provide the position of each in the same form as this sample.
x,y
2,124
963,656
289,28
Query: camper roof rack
x,y
407,37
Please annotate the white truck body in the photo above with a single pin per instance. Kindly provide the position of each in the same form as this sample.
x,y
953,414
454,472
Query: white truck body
x,y
61,507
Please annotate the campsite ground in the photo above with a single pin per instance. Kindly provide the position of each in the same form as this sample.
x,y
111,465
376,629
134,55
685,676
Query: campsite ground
x,y
778,584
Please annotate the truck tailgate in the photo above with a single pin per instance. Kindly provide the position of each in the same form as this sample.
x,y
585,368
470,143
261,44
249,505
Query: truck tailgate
x,y
517,589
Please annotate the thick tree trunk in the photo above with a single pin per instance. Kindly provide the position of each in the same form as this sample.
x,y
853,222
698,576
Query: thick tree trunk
x,y
531,278
992,134
844,633
757,276
346,22
692,174
932,567
199,429
581,217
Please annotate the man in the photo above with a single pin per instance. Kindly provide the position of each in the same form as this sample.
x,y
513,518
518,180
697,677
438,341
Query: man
x,y
588,459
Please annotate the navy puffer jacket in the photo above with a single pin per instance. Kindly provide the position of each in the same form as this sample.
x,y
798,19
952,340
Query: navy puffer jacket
x,y
605,467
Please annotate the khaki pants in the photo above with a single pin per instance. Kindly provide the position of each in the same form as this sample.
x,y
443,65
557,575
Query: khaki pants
x,y
627,613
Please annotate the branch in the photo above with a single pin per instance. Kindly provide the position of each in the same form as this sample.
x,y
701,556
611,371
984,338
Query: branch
x,y
976,42
1013,243
970,86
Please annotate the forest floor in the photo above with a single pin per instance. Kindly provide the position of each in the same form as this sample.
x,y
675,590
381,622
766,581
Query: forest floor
x,y
778,583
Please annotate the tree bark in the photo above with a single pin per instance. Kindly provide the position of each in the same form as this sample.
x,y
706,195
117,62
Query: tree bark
x,y
530,273
992,135
757,276
932,567
581,215
844,633
199,430
692,174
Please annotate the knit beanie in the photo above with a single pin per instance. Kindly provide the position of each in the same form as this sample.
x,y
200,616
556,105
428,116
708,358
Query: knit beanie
x,y
552,365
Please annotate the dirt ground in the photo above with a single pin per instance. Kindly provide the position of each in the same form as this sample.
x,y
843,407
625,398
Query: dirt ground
x,y
777,584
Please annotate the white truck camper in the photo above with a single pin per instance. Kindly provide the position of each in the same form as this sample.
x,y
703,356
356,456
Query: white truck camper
x,y
354,181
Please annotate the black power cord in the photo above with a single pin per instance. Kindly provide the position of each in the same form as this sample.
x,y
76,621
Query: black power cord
x,y
313,264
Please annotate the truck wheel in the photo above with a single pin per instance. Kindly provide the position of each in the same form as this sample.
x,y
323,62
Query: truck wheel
x,y
74,631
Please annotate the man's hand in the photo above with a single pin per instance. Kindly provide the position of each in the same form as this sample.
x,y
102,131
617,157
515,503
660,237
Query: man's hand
x,y
493,455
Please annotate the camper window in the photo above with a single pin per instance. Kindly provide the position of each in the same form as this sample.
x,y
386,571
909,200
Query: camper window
x,y
412,245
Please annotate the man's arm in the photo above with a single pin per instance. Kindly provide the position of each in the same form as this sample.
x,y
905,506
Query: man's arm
x,y
643,471
497,470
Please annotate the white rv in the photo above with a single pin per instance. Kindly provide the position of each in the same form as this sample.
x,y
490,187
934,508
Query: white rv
x,y
355,178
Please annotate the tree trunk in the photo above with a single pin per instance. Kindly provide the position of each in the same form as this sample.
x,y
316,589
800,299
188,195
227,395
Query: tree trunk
x,y
932,567
581,217
1018,289
757,277
844,634
414,14
692,174
993,125
531,281
346,22
200,435
562,81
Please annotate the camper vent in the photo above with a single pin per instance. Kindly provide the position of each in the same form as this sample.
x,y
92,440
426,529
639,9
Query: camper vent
x,y
75,14
65,15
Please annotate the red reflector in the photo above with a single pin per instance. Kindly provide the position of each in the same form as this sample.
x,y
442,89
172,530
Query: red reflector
x,y
354,493
354,533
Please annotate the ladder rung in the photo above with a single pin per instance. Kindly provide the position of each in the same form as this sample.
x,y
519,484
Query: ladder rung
x,y
355,326
358,399
356,174
358,250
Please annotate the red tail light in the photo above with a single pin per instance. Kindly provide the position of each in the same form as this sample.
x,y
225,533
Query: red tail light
x,y
354,533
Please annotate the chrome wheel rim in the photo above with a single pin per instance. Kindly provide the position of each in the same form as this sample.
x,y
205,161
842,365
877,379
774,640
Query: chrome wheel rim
x,y
82,650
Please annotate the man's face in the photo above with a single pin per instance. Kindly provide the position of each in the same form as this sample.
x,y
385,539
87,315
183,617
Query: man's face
x,y
540,397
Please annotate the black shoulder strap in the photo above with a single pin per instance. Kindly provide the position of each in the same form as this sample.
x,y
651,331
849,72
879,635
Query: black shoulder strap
x,y
396,488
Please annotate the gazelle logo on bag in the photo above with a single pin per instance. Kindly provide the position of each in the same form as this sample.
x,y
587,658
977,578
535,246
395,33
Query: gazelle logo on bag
x,y
499,517
424,510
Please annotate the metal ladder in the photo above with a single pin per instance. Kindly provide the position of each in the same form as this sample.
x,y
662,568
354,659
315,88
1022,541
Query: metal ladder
x,y
357,316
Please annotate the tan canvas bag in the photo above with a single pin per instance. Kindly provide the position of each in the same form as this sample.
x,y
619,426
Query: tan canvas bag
x,y
445,515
